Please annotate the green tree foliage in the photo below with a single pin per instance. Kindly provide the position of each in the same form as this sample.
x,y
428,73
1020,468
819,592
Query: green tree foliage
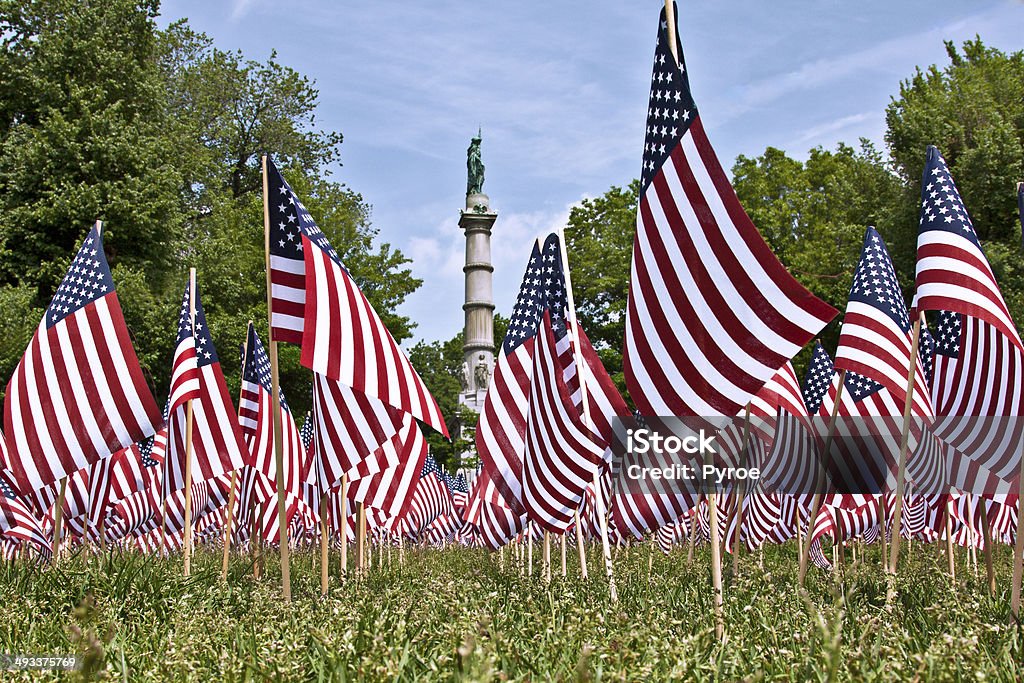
x,y
159,133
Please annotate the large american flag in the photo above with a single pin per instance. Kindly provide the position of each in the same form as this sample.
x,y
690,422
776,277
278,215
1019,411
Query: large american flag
x,y
953,273
712,313
196,375
316,303
78,394
978,378
501,431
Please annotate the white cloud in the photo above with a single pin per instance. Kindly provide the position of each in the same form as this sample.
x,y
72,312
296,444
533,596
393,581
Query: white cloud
x,y
239,8
825,133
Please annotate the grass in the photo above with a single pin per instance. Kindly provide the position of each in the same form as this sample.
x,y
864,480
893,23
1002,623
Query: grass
x,y
455,615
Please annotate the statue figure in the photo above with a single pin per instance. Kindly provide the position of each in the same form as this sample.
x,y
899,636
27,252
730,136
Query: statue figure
x,y
482,374
464,379
475,166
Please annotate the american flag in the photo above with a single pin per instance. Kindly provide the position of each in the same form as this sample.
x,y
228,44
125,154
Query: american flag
x,y
977,391
430,498
953,273
875,340
390,490
256,415
217,444
316,303
867,434
562,452
712,313
350,427
501,431
78,394
16,519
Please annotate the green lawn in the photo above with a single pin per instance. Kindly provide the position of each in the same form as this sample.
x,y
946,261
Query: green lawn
x,y
454,614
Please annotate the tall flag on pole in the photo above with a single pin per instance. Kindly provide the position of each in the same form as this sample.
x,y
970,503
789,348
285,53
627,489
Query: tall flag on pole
x,y
979,373
562,452
316,303
953,273
712,314
875,340
501,432
196,375
78,394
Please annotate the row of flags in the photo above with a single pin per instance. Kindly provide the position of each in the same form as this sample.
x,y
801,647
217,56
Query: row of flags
x,y
712,324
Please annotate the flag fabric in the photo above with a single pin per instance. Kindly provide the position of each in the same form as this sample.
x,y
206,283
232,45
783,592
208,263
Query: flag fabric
x,y
501,431
196,376
430,499
78,394
712,313
953,273
316,303
350,427
390,491
256,416
16,519
978,390
875,339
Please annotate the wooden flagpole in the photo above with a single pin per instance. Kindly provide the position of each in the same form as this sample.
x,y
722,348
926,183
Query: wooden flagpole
x,y
275,399
187,531
737,536
582,372
58,518
580,547
360,538
228,521
949,542
1018,548
344,526
816,501
716,565
1018,545
564,566
324,575
234,478
670,19
547,556
987,550
529,556
901,473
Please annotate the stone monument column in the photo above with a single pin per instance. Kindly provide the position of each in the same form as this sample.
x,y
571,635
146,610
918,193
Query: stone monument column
x,y
478,334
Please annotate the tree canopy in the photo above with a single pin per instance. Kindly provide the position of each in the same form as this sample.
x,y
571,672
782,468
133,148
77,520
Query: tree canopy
x,y
159,133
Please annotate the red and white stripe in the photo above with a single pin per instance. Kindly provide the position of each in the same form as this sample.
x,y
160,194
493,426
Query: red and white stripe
x,y
78,394
712,312
561,452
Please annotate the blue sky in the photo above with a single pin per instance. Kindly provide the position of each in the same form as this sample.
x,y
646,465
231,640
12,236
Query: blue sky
x,y
560,90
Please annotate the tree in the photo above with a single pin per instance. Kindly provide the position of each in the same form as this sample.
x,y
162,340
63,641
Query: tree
x,y
973,111
160,134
